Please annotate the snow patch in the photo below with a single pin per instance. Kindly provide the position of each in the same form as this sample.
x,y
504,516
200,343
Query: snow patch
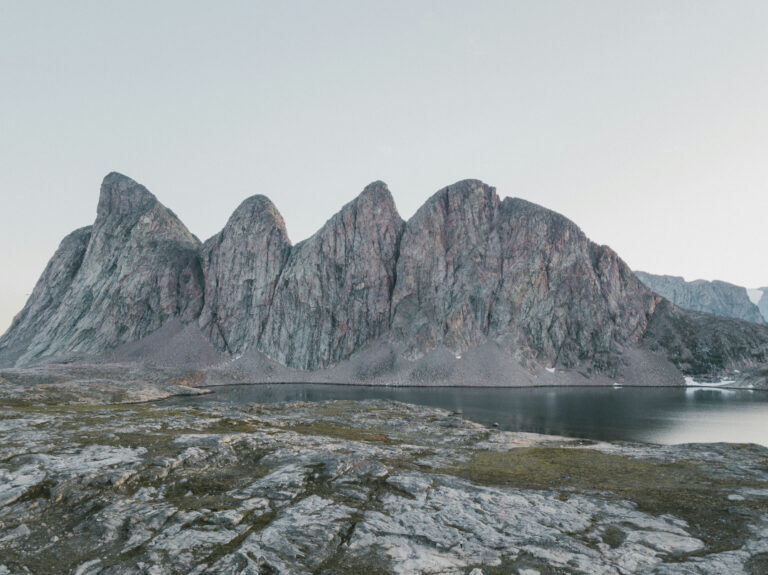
x,y
690,382
755,295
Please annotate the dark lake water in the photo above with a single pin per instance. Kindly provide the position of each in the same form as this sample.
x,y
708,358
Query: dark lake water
x,y
655,415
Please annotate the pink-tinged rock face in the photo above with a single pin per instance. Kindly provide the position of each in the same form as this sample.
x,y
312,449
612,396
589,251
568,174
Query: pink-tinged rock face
x,y
472,267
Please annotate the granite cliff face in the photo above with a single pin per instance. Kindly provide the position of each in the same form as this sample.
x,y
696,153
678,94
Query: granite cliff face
x,y
716,297
474,267
242,264
334,294
471,283
114,282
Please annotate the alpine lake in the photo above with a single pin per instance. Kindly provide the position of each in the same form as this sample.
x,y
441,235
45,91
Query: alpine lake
x,y
662,415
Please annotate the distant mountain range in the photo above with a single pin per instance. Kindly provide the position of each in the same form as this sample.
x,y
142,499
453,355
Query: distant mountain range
x,y
473,289
759,297
717,297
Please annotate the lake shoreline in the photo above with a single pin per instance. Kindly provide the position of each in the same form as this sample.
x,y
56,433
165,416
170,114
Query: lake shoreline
x,y
343,487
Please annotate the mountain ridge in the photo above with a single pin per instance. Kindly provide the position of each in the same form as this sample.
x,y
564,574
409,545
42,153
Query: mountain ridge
x,y
384,297
716,297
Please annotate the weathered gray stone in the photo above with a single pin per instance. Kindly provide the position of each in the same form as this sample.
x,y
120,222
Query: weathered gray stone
x,y
44,302
762,303
716,297
448,271
361,487
705,345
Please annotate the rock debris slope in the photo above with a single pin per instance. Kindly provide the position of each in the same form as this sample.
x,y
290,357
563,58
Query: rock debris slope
x,y
717,297
506,284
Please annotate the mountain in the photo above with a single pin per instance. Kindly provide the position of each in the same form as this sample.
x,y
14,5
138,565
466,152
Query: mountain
x,y
473,289
113,282
716,297
759,297
242,264
473,267
334,292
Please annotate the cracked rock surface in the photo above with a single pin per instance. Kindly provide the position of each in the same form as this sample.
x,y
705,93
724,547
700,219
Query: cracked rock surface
x,y
370,487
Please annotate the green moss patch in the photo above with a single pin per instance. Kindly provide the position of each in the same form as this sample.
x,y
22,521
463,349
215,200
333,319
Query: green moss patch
x,y
340,431
683,488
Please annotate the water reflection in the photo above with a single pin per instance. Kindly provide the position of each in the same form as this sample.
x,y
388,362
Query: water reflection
x,y
659,415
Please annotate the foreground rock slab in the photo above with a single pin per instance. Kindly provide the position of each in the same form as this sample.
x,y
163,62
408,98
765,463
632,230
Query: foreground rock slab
x,y
370,487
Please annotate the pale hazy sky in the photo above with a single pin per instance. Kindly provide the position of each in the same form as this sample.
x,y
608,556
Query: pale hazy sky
x,y
645,122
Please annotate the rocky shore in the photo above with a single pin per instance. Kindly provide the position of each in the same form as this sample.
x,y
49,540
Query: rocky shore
x,y
94,487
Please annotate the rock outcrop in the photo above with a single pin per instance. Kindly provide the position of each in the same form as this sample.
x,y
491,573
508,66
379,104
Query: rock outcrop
x,y
472,289
117,281
704,346
334,294
716,297
348,487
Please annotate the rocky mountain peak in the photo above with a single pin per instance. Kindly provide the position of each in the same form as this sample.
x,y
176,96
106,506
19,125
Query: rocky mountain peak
x,y
463,195
120,280
241,265
375,187
374,201
334,292
509,283
257,208
121,195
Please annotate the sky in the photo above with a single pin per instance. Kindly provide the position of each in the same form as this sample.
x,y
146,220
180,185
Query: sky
x,y
644,122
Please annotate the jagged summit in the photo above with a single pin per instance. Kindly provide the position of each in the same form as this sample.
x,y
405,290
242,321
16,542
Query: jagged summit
x,y
258,206
471,286
374,186
122,195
